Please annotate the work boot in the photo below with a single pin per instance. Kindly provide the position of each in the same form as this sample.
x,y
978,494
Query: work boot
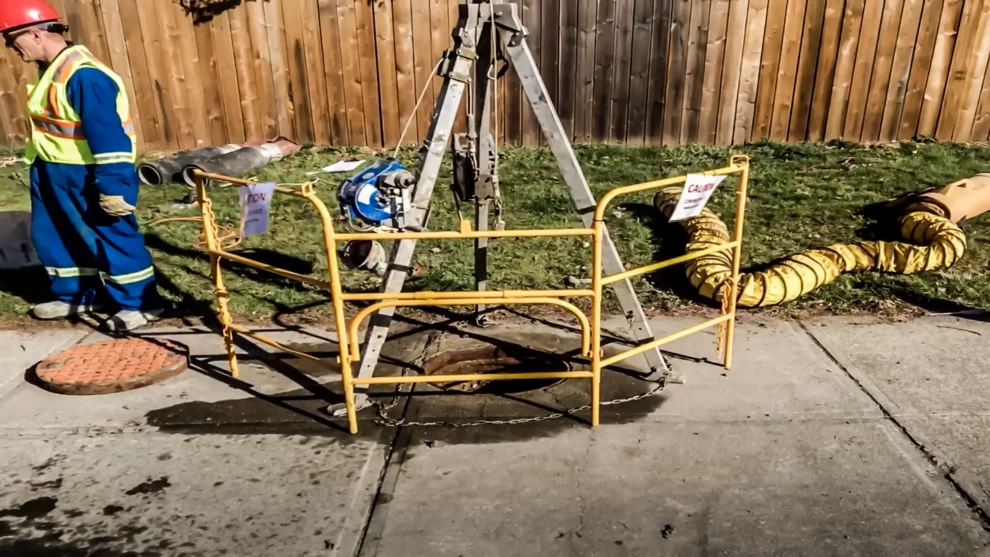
x,y
127,320
61,310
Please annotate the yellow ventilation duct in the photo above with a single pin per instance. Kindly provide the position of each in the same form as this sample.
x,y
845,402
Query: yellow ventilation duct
x,y
929,223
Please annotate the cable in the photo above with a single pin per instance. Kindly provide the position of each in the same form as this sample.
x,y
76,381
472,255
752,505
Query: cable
x,y
499,219
200,242
415,111
493,80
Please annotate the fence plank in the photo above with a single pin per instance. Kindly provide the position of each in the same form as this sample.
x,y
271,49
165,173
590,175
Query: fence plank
x,y
938,71
192,70
212,95
924,52
24,74
158,71
86,23
804,87
789,56
882,67
350,64
178,93
263,73
959,69
769,64
365,29
844,69
278,52
825,73
385,43
405,67
120,61
901,68
172,76
604,58
532,14
731,69
860,87
749,79
316,73
247,80
333,73
718,22
639,72
424,62
149,112
584,92
662,11
440,34
550,49
673,111
567,73
12,101
621,70
981,124
226,61
298,88
969,94
694,76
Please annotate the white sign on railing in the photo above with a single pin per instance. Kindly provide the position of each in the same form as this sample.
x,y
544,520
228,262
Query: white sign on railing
x,y
256,202
698,189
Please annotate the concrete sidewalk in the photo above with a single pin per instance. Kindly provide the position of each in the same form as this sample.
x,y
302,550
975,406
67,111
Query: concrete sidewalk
x,y
829,437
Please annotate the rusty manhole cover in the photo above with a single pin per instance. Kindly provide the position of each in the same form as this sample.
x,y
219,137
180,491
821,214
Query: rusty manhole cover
x,y
112,366
492,359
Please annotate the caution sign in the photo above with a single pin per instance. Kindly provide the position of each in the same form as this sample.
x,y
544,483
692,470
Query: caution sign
x,y
698,189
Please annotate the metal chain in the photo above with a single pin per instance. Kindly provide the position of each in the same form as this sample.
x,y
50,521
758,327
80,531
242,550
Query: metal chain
x,y
384,420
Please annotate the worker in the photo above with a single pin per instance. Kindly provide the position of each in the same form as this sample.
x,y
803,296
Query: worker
x,y
84,186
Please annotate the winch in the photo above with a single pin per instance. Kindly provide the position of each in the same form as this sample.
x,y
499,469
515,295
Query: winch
x,y
377,197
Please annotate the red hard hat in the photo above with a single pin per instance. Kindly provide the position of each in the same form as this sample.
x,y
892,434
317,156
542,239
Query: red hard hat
x,y
19,13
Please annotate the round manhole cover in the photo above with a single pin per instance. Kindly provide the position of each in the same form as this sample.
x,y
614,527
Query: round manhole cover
x,y
112,366
493,359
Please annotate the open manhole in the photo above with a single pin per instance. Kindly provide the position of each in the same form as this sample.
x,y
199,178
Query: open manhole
x,y
494,359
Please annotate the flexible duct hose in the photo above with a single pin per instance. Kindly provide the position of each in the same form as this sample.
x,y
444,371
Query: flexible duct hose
x,y
242,161
940,244
169,169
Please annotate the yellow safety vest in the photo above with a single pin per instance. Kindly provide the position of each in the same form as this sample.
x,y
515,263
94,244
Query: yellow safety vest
x,y
56,129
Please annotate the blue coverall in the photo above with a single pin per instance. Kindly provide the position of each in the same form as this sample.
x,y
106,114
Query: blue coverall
x,y
80,244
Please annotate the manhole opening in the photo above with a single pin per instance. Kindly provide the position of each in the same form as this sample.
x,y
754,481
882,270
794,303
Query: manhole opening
x,y
493,359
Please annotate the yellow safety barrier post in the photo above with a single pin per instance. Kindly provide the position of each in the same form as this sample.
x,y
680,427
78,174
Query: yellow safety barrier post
x,y
738,164
591,331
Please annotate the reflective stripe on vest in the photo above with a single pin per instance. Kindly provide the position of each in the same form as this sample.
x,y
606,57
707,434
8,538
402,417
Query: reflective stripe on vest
x,y
58,128
57,134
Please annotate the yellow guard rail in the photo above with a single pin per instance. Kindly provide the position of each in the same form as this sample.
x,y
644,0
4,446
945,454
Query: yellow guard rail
x,y
591,329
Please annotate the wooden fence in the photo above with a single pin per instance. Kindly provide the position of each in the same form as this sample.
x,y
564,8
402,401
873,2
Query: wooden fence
x,y
348,72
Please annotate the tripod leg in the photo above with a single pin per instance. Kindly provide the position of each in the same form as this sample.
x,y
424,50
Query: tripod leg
x,y
525,66
484,189
457,73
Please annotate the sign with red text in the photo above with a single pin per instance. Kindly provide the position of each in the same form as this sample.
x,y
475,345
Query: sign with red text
x,y
698,189
256,202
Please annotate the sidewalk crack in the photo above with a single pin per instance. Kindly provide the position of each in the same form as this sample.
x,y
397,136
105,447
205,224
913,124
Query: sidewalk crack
x,y
945,469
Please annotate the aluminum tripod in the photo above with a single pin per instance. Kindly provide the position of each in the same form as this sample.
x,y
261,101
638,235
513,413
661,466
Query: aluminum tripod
x,y
472,59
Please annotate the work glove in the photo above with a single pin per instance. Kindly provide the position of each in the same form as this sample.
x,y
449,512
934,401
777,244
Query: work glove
x,y
115,206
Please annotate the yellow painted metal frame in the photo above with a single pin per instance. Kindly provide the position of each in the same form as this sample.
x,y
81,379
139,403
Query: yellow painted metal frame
x,y
590,329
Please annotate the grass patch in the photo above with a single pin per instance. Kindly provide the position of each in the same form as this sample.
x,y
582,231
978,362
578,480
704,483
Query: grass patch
x,y
801,196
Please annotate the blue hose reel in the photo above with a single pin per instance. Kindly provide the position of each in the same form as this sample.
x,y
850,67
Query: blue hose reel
x,y
377,197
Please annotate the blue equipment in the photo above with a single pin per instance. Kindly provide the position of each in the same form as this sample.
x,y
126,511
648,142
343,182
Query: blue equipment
x,y
377,196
